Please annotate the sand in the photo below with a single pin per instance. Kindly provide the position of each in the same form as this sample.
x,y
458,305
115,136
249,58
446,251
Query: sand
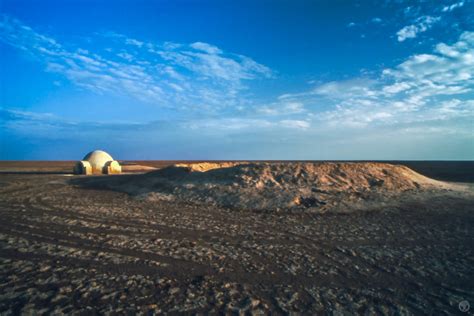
x,y
317,186
70,247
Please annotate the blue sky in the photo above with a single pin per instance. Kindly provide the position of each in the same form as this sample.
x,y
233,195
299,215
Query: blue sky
x,y
237,79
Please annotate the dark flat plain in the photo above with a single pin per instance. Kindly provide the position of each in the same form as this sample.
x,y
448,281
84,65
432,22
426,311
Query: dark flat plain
x,y
68,249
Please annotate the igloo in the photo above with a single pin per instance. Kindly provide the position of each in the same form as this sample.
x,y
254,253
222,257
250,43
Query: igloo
x,y
97,162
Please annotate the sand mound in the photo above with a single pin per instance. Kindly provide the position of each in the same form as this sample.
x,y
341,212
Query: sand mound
x,y
206,166
273,185
136,168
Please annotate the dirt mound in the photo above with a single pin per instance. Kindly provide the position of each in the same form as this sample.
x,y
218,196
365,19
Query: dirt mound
x,y
273,185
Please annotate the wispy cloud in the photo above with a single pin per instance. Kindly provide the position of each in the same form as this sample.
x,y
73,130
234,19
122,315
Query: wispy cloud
x,y
425,94
51,126
448,70
425,87
422,24
196,75
282,108
423,16
298,124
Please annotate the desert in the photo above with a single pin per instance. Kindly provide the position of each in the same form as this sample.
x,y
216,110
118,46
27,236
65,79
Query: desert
x,y
245,157
237,238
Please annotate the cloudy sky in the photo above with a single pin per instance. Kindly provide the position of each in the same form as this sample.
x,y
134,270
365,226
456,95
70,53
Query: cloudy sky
x,y
237,79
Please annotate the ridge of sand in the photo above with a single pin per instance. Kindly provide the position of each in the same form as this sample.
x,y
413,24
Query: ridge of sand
x,y
206,166
136,168
262,185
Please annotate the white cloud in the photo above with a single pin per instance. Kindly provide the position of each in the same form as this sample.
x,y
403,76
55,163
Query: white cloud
x,y
199,75
423,88
448,70
212,66
210,49
345,89
450,8
454,108
336,90
422,24
126,56
227,124
396,87
133,42
282,108
296,124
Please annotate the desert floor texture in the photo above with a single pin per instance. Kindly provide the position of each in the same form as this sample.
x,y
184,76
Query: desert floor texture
x,y
74,245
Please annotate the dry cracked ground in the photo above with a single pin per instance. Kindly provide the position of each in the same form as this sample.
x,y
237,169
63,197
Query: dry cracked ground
x,y
67,249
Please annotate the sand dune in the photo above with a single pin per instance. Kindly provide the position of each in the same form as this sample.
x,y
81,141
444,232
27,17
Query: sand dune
x,y
318,186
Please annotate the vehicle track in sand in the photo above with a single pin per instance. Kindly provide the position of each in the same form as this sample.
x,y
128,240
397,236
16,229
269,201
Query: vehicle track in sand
x,y
67,248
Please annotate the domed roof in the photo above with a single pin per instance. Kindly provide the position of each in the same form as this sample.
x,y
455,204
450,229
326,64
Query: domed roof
x,y
98,158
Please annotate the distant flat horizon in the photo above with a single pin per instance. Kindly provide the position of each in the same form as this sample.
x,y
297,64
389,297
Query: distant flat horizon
x,y
262,160
455,171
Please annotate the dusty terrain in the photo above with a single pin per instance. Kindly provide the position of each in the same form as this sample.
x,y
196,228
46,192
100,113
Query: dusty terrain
x,y
321,187
68,245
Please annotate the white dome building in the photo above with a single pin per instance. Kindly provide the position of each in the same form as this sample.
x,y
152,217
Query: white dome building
x,y
97,162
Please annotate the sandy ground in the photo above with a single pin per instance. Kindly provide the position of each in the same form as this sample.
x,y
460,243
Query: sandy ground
x,y
66,248
313,186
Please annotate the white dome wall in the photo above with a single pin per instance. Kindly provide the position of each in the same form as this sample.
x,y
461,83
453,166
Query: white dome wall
x,y
98,162
98,159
